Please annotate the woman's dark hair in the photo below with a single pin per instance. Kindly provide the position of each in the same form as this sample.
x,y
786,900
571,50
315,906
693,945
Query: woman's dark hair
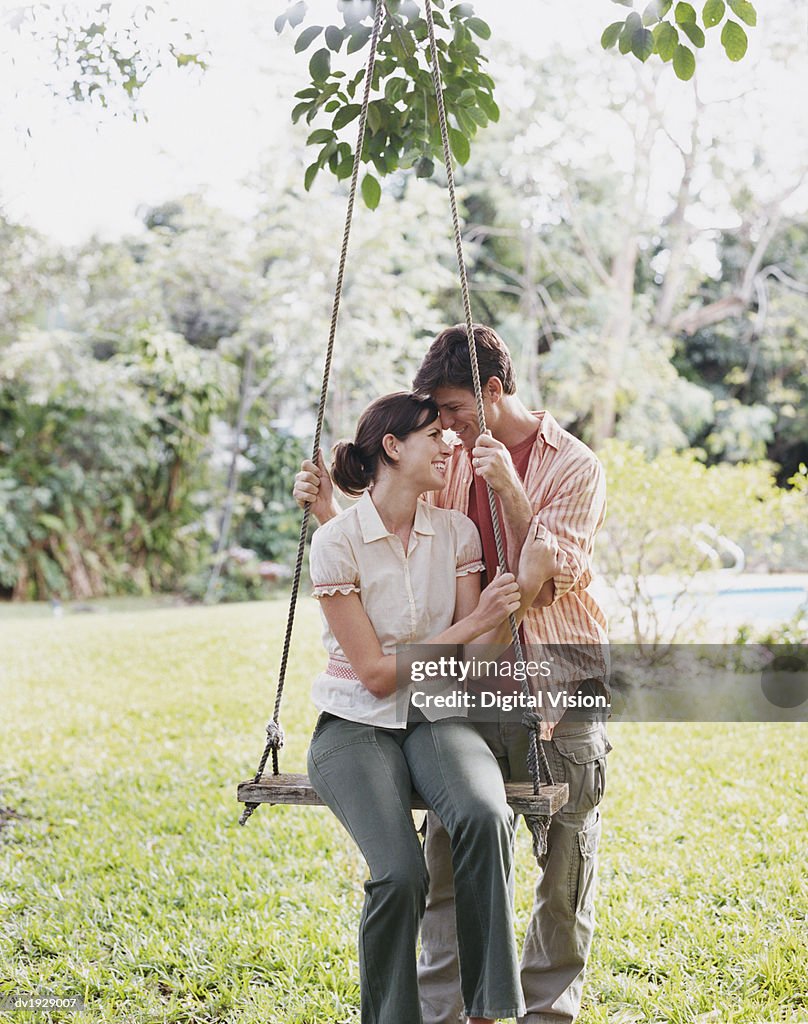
x,y
447,363
356,462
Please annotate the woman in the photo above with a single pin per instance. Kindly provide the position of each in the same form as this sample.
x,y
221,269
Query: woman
x,y
393,570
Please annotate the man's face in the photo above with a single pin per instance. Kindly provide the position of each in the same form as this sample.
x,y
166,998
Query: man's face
x,y
458,412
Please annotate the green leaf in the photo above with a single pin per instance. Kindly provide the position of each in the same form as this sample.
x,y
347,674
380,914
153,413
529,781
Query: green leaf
x,y
478,116
333,38
52,523
685,14
684,63
468,126
488,105
344,168
299,110
479,28
633,24
666,39
402,44
642,44
394,89
374,116
713,12
320,65
345,115
611,34
459,145
424,168
280,21
656,11
310,175
359,36
319,136
624,3
307,37
694,34
734,41
296,13
371,191
745,11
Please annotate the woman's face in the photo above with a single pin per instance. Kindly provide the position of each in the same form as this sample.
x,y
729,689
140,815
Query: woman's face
x,y
423,456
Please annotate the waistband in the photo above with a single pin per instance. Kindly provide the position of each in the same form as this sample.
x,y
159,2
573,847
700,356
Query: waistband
x,y
340,668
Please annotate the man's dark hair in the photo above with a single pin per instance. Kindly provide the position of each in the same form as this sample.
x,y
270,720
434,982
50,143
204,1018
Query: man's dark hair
x,y
447,363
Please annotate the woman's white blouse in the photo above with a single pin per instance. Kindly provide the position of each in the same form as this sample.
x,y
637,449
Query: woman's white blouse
x,y
408,596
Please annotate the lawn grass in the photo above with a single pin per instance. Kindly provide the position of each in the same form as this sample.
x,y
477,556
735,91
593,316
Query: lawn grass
x,y
128,880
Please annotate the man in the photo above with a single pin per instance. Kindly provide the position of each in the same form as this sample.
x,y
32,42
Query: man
x,y
533,466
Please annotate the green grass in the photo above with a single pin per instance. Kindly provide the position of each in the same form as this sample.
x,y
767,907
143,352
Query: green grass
x,y
128,879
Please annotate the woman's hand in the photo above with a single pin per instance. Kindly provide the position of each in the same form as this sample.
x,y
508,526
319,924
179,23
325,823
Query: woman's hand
x,y
313,487
540,558
499,600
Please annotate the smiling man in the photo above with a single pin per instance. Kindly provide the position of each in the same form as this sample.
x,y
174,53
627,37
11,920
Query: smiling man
x,y
534,467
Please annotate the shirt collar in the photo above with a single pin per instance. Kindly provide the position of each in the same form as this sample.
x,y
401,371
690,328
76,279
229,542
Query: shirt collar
x,y
372,527
549,429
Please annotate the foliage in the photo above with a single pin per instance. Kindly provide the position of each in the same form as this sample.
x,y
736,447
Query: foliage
x,y
31,276
754,363
565,250
662,27
102,56
672,516
402,126
125,884
271,521
791,634
100,463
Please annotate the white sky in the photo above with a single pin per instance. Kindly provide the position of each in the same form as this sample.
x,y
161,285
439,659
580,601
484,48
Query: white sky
x,y
79,173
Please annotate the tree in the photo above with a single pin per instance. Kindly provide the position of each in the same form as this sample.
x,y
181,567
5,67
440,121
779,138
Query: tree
x,y
661,27
402,130
93,53
593,235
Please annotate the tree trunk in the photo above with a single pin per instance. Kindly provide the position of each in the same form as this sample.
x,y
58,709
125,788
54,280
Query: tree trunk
x,y
244,404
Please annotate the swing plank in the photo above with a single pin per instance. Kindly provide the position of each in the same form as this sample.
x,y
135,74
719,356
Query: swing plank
x,y
296,789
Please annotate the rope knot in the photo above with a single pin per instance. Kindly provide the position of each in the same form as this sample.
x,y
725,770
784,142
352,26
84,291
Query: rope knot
x,y
274,735
531,719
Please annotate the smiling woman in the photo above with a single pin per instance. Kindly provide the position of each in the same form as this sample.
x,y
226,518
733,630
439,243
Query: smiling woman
x,y
394,570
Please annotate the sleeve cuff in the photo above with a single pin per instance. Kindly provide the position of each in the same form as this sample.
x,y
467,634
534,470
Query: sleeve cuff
x,y
467,567
329,589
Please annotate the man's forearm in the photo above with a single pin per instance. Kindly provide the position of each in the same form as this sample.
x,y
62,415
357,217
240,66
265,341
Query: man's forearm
x,y
517,513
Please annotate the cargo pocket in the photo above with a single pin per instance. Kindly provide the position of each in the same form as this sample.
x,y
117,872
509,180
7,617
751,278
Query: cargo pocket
x,y
581,758
588,842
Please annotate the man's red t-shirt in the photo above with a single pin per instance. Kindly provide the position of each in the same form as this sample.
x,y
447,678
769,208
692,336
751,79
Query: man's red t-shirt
x,y
480,510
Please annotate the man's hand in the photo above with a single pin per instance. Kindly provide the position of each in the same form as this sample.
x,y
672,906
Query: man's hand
x,y
540,558
313,486
492,461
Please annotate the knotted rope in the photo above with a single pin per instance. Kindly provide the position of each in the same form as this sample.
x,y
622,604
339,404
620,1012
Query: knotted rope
x,y
274,730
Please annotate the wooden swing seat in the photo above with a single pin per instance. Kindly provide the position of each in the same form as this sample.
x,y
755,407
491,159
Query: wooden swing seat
x,y
296,789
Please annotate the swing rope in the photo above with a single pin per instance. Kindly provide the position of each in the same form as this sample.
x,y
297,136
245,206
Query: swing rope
x,y
536,758
274,730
